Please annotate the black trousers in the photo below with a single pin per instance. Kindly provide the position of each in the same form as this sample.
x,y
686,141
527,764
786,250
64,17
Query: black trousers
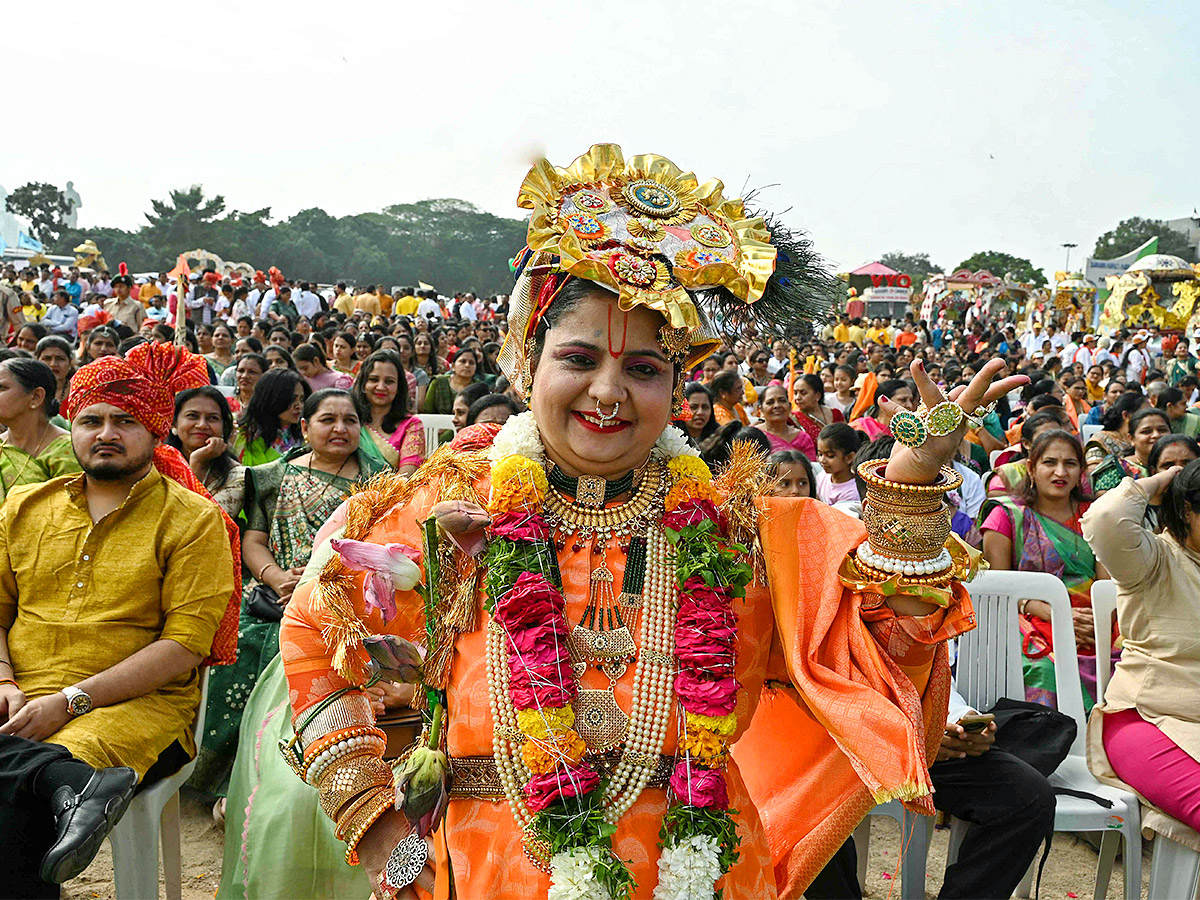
x,y
26,822
1010,806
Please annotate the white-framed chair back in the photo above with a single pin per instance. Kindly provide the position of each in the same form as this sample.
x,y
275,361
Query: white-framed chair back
x,y
985,682
1087,432
1104,604
993,456
432,424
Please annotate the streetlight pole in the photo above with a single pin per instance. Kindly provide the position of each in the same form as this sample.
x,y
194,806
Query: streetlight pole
x,y
1069,247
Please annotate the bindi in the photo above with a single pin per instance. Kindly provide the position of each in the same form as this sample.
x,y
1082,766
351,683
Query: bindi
x,y
616,354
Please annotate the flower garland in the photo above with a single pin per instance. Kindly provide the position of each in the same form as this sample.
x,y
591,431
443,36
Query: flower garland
x,y
561,803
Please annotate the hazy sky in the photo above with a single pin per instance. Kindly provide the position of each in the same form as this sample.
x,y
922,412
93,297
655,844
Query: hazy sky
x,y
946,128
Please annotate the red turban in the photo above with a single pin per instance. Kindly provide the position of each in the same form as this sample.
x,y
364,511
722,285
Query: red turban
x,y
144,384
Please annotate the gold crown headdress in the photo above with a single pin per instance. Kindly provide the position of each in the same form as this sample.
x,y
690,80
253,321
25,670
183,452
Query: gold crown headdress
x,y
656,237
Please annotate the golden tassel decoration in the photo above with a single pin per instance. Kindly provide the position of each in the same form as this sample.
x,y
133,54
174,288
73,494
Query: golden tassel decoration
x,y
741,482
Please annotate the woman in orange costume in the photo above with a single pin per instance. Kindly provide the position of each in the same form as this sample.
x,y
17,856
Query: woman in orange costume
x,y
594,664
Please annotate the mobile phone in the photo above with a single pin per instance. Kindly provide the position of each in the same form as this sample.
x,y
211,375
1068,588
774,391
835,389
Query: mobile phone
x,y
976,723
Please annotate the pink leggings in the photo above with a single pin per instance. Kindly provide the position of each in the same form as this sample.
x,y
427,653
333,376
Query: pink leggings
x,y
1154,765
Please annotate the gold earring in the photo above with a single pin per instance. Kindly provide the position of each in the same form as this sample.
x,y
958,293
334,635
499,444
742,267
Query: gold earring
x,y
678,401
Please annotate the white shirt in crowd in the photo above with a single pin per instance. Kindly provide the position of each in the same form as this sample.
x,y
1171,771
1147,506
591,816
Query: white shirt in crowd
x,y
774,364
307,303
429,307
1137,365
972,491
466,310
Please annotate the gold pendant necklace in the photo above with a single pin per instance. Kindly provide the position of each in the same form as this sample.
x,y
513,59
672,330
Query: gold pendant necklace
x,y
602,637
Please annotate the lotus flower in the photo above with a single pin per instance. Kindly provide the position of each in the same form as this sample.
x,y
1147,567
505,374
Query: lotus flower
x,y
389,568
395,659
464,523
423,783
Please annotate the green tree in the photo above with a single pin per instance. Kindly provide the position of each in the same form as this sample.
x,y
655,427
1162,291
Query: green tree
x,y
184,222
1004,265
43,205
915,265
1132,233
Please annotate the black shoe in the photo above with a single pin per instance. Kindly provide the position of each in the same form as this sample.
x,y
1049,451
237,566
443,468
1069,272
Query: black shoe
x,y
83,820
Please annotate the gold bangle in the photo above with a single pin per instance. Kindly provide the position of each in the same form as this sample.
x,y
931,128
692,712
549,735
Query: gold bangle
x,y
317,747
261,571
351,775
386,800
947,481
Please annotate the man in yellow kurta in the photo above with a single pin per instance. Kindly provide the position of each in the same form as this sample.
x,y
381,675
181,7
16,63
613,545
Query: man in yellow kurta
x,y
112,587
367,301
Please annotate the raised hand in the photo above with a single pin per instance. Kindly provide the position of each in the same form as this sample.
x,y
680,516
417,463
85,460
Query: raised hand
x,y
920,465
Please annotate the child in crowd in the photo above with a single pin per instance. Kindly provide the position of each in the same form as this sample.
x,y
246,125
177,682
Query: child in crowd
x,y
795,474
836,446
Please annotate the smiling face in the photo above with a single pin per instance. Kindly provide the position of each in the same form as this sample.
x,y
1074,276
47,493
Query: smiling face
x,y
775,406
1146,434
198,420
381,385
597,356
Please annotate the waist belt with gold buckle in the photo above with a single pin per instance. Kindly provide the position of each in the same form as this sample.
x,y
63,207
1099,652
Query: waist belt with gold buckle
x,y
476,777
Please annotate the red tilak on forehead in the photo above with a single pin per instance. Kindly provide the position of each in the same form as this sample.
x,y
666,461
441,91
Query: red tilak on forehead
x,y
616,354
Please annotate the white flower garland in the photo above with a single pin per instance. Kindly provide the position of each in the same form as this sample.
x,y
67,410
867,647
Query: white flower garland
x,y
518,436
571,876
688,870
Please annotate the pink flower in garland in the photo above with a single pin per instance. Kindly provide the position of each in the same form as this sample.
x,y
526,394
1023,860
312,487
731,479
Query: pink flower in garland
x,y
531,602
572,780
695,786
536,686
708,698
693,512
518,525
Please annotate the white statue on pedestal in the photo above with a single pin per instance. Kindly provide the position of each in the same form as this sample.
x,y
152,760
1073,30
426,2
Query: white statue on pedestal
x,y
73,203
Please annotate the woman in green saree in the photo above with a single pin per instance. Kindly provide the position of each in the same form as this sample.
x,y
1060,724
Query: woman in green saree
x,y
390,432
287,501
1038,531
34,449
1146,426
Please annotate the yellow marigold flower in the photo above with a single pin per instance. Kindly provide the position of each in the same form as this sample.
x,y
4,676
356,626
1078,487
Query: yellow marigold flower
x,y
689,467
537,723
541,755
704,746
522,469
508,495
688,489
722,725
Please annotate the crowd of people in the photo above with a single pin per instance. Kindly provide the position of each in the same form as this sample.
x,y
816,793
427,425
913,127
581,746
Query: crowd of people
x,y
302,396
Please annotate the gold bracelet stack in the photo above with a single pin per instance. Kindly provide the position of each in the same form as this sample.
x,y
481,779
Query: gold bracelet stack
x,y
355,790
907,526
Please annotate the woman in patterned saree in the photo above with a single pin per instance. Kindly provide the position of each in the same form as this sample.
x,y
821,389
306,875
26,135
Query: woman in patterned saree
x,y
286,503
1146,426
1039,531
586,692
390,432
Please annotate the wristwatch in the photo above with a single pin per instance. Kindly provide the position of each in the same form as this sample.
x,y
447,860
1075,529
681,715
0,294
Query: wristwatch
x,y
78,701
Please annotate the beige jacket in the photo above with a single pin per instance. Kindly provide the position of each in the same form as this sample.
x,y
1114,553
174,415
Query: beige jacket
x,y
1158,608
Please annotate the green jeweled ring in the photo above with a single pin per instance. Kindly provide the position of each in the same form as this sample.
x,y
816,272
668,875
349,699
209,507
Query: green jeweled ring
x,y
908,428
944,419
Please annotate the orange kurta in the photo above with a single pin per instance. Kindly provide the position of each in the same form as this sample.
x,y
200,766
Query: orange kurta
x,y
827,651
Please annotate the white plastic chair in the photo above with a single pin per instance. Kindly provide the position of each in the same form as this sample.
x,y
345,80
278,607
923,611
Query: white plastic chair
x,y
993,456
1089,431
1104,604
989,667
1175,869
154,813
916,831
432,425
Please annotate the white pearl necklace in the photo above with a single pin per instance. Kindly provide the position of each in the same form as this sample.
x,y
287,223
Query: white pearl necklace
x,y
653,680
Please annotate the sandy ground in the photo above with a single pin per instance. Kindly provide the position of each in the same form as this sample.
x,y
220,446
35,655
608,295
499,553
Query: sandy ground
x,y
1070,871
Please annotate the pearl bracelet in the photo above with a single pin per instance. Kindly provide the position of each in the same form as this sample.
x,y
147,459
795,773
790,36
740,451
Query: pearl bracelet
x,y
331,754
939,563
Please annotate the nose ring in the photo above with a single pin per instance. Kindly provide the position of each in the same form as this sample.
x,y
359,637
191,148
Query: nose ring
x,y
607,419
